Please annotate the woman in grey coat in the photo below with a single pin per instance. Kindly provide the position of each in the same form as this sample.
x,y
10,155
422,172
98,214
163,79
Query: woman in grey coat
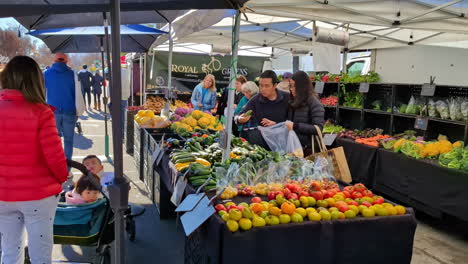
x,y
305,110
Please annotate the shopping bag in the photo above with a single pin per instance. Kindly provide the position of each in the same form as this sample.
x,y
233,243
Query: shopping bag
x,y
276,137
293,145
340,164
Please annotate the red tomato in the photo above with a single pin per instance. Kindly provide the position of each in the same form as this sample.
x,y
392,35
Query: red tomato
x,y
232,206
256,200
367,193
317,195
353,203
220,207
349,189
379,201
304,193
342,207
356,195
366,203
286,192
316,186
240,207
292,196
346,194
359,187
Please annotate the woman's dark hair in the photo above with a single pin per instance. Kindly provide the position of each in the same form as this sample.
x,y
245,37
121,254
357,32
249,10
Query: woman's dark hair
x,y
23,74
304,89
88,182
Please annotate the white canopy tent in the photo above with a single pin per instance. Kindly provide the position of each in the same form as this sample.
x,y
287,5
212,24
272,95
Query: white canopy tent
x,y
280,26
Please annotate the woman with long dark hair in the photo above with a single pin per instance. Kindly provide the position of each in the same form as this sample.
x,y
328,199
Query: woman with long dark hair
x,y
32,163
305,110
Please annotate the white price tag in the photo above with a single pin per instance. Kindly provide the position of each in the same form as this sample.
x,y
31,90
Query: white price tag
x,y
179,190
328,139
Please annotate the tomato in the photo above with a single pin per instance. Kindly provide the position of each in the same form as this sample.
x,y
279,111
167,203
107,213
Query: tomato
x,y
317,195
292,196
316,186
349,189
286,192
356,195
329,194
232,206
367,193
220,207
346,194
256,200
359,187
304,193
353,203
379,200
366,203
342,207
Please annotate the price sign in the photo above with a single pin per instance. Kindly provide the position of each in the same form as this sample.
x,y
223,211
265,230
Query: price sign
x,y
421,123
364,88
179,191
328,139
319,87
191,220
428,89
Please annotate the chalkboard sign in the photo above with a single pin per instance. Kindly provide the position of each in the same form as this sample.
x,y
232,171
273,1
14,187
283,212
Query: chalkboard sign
x,y
428,89
421,123
319,87
364,88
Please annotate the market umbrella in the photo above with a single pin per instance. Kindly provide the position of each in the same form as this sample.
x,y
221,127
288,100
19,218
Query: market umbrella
x,y
134,38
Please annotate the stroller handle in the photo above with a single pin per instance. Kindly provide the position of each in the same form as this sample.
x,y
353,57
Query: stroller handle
x,y
78,166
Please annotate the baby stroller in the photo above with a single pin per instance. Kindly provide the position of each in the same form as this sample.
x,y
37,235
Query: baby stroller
x,y
90,224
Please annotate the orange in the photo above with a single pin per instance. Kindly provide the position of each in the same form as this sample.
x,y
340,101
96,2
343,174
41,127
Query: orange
x,y
288,208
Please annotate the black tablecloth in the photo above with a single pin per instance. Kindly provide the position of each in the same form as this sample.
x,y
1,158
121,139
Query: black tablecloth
x,y
422,184
361,160
372,240
163,188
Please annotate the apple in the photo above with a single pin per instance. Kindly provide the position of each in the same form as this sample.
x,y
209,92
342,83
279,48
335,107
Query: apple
x,y
220,207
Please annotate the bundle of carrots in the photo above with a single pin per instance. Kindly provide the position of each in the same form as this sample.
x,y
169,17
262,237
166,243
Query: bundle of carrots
x,y
372,141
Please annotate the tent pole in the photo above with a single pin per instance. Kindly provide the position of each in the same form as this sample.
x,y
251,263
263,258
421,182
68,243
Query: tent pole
x,y
118,191
106,135
169,63
109,74
232,84
141,79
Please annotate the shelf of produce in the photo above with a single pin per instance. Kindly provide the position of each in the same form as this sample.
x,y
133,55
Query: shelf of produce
x,y
380,112
350,108
461,123
405,115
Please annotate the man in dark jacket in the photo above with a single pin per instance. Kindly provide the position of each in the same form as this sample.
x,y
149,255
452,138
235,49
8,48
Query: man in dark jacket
x,y
86,80
268,107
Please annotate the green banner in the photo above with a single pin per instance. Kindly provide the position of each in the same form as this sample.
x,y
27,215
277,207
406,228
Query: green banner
x,y
189,69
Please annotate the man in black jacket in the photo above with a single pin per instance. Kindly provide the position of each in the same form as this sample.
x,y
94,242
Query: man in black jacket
x,y
268,107
86,79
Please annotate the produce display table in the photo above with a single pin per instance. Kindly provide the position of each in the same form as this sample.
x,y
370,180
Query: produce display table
x,y
360,240
422,184
361,160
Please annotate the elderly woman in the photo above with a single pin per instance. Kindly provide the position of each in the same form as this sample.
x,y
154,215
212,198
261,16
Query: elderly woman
x,y
249,89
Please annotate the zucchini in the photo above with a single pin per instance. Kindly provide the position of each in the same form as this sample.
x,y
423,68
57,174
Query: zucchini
x,y
183,160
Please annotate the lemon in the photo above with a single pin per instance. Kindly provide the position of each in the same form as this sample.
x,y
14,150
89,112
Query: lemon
x,y
232,225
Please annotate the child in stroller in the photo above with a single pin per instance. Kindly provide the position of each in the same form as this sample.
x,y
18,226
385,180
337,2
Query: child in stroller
x,y
87,190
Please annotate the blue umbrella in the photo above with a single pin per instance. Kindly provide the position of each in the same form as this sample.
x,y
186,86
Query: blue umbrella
x,y
134,38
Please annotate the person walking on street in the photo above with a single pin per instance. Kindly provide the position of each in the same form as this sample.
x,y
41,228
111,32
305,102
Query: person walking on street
x,y
86,80
98,82
64,94
32,164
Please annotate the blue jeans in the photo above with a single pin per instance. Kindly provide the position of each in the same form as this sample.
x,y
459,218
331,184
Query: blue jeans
x,y
66,129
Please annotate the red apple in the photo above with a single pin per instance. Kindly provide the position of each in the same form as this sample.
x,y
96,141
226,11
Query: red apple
x,y
256,200
220,207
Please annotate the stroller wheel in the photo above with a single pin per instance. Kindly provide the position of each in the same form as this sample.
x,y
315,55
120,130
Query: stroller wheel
x,y
130,227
